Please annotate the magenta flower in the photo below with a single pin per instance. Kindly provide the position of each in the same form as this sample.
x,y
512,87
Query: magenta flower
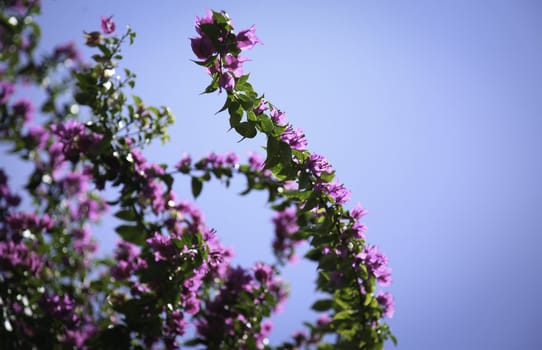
x,y
234,64
263,273
226,81
128,260
24,108
278,116
285,226
358,212
108,26
231,159
66,51
255,161
177,324
75,183
184,163
202,47
318,164
323,320
247,39
335,190
262,107
295,138
6,90
38,135
385,300
358,230
377,264
208,19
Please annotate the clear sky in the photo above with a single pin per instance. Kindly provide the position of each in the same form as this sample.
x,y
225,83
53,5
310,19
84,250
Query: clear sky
x,y
431,113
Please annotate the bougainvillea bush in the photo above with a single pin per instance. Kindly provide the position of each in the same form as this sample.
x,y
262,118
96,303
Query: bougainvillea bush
x,y
169,282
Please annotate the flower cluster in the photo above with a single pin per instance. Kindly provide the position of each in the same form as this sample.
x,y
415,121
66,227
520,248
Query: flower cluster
x,y
168,270
73,139
128,260
228,319
310,201
285,226
377,264
222,49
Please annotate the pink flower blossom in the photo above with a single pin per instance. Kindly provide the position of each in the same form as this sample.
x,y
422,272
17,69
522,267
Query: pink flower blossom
x,y
247,39
107,24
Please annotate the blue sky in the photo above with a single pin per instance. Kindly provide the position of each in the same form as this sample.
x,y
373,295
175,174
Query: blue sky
x,y
430,111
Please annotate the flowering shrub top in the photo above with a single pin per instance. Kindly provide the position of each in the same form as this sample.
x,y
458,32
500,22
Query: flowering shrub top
x,y
168,270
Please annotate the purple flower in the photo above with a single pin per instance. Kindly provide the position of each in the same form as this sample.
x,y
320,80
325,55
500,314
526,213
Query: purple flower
x,y
285,222
73,140
6,90
385,300
323,320
66,51
107,24
277,116
226,81
294,138
163,247
83,242
376,263
89,208
24,108
265,329
176,323
262,107
335,190
62,308
202,47
358,212
247,39
238,279
75,183
214,160
208,19
78,337
184,164
285,225
39,136
192,305
234,64
263,273
317,164
17,254
128,260
358,230
255,161
231,159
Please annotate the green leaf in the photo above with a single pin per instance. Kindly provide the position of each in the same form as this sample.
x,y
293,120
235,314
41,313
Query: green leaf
x,y
194,342
266,124
197,186
246,129
242,84
168,179
343,315
236,114
213,86
328,262
327,177
314,254
126,215
312,201
226,105
322,305
247,102
132,234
